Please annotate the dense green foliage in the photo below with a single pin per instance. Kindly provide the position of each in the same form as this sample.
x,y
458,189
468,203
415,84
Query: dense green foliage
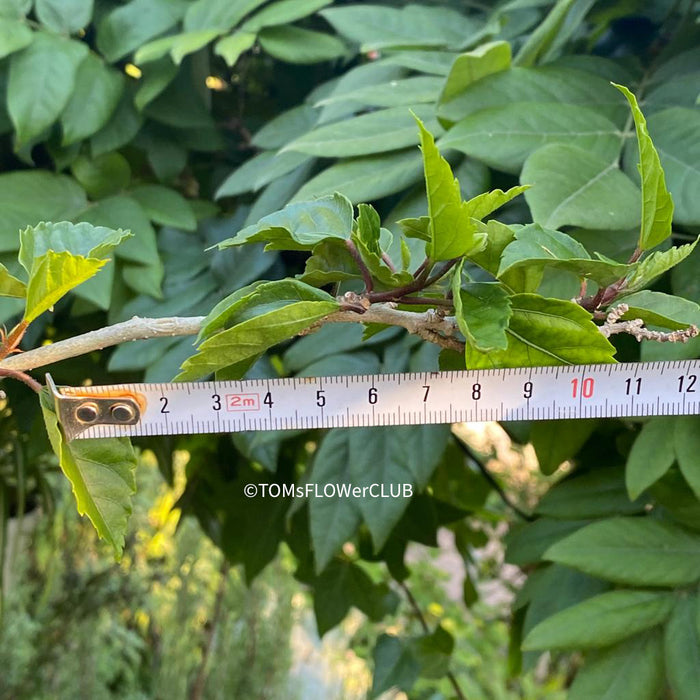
x,y
542,111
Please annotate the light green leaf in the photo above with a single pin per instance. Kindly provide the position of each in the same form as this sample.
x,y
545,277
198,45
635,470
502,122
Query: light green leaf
x,y
299,226
217,14
546,332
363,179
600,621
30,196
64,16
482,310
504,136
659,309
41,81
230,48
682,648
407,91
648,269
63,236
452,232
376,27
302,46
673,132
331,261
482,205
657,205
540,247
687,446
416,227
129,26
377,132
98,89
539,42
555,441
251,337
573,187
255,299
165,206
651,455
52,276
14,36
430,62
283,12
10,286
474,65
102,474
631,670
114,212
334,520
156,49
632,551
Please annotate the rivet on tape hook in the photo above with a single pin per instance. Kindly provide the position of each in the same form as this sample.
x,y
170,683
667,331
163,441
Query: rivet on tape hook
x,y
79,411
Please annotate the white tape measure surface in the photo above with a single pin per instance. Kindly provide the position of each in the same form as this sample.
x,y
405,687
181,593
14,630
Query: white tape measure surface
x,y
531,393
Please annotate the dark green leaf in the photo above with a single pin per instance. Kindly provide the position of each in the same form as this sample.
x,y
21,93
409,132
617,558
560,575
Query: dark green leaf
x,y
659,309
555,441
527,544
103,175
636,551
682,648
217,14
395,665
687,449
301,46
165,206
651,455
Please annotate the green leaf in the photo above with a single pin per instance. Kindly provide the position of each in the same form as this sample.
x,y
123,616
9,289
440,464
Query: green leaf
x,y
631,670
52,276
129,26
251,337
363,179
452,232
546,332
331,261
539,42
41,81
517,85
538,247
283,12
416,227
408,91
687,444
98,89
482,310
10,286
632,551
217,14
597,494
102,474
504,136
64,16
230,48
333,519
482,205
285,127
573,187
299,226
395,666
682,648
14,36
656,264
404,455
28,197
122,127
156,77
78,239
555,441
600,621
376,27
376,132
474,65
659,309
528,544
165,206
103,175
657,205
302,46
430,62
673,133
651,455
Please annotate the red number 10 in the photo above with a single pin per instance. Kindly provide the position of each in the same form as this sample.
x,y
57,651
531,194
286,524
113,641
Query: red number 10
x,y
586,387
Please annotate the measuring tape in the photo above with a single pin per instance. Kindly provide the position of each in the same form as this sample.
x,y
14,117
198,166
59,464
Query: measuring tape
x,y
418,398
